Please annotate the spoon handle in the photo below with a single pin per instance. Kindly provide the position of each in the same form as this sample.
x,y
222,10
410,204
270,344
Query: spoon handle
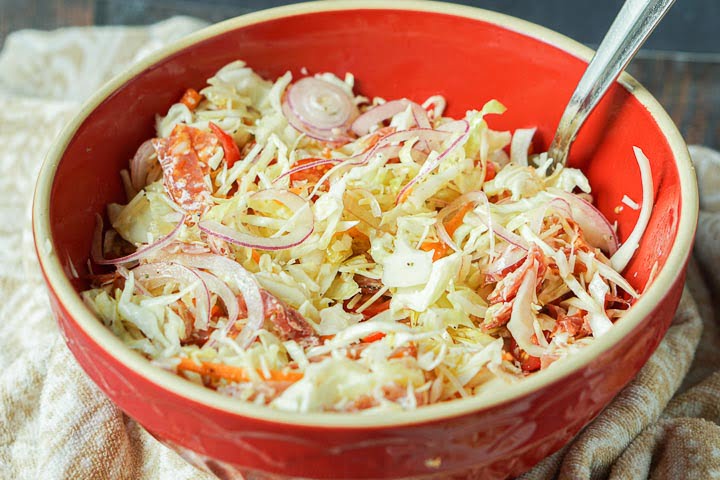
x,y
632,26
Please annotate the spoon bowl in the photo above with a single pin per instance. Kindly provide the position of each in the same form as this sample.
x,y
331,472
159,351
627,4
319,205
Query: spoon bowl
x,y
633,25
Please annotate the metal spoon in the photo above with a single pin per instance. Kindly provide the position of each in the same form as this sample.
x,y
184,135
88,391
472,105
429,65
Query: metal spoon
x,y
632,26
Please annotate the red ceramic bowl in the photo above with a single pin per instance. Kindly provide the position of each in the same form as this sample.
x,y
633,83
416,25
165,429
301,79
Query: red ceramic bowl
x,y
407,49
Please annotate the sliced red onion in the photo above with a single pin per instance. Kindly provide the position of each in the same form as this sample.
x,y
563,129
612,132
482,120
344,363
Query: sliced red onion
x,y
362,124
125,273
141,164
319,109
420,116
168,271
520,145
596,228
224,293
97,255
622,256
562,205
396,139
537,215
294,202
431,165
245,282
308,166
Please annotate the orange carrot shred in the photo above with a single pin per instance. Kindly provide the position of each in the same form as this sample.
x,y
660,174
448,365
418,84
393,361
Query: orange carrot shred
x,y
191,98
218,371
440,249
457,219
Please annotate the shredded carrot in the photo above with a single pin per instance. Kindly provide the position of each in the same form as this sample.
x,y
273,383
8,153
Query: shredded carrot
x,y
230,373
409,351
255,255
439,249
191,98
373,337
457,219
355,233
216,311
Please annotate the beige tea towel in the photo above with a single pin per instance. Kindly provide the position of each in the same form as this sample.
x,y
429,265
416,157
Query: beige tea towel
x,y
55,424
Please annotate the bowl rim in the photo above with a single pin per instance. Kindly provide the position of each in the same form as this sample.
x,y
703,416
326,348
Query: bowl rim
x,y
58,282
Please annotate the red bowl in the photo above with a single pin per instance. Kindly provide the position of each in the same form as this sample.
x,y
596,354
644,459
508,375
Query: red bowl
x,y
407,49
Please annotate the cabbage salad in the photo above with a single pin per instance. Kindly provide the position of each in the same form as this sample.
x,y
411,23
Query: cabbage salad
x,y
296,245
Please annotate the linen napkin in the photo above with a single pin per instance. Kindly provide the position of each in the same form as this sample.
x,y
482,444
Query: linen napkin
x,y
56,424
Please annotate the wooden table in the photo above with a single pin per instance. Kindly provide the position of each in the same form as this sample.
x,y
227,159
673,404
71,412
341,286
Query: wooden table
x,y
687,85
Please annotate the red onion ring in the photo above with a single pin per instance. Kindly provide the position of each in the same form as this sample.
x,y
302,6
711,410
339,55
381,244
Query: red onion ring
x,y
292,201
245,283
431,165
125,273
319,109
224,293
537,215
96,250
150,272
596,228
362,124
140,165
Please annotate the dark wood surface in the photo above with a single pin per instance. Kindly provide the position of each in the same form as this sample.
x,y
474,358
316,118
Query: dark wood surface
x,y
687,85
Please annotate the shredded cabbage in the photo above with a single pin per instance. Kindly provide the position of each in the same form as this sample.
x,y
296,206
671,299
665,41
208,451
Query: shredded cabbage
x,y
473,278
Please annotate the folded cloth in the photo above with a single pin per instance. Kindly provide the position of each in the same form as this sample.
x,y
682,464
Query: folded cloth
x,y
56,424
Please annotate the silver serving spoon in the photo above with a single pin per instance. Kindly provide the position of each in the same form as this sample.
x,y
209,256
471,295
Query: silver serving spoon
x,y
632,26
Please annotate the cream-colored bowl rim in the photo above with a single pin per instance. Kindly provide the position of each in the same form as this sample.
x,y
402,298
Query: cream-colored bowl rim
x,y
178,386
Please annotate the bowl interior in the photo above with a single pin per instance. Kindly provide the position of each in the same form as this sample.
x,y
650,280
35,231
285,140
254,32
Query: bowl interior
x,y
392,54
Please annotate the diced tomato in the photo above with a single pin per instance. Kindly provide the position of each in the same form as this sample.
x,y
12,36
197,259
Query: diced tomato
x,y
230,148
528,363
490,171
